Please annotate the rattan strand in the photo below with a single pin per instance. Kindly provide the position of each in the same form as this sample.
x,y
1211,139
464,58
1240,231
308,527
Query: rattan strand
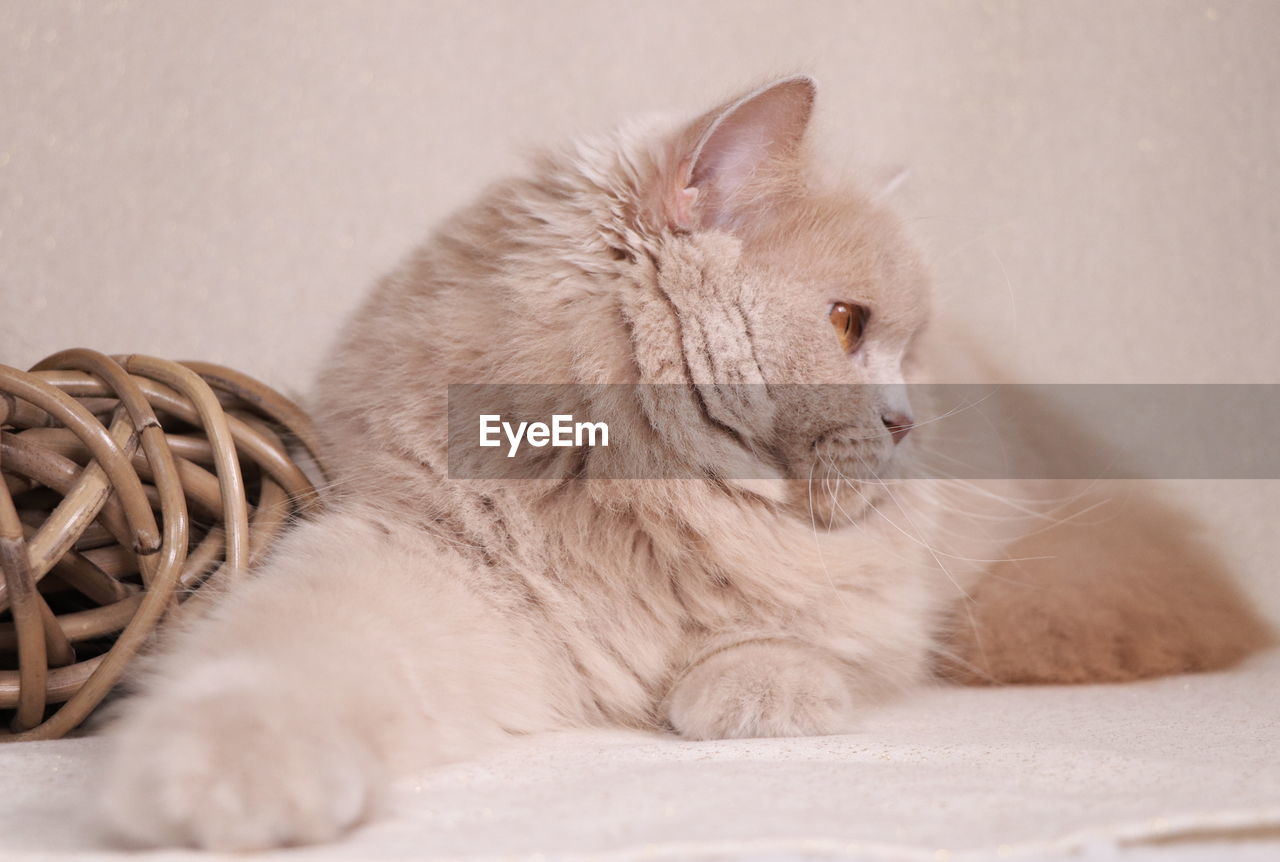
x,y
130,484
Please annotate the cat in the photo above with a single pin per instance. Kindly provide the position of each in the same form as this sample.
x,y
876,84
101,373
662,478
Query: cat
x,y
420,619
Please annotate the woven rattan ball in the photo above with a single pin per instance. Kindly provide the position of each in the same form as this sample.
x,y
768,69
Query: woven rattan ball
x,y
130,484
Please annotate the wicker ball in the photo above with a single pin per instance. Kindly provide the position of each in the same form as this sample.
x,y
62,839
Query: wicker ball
x,y
130,484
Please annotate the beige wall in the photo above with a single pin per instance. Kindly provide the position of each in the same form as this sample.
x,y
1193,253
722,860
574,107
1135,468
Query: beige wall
x,y
1097,182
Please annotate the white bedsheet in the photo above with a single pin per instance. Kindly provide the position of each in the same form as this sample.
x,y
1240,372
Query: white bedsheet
x,y
1179,768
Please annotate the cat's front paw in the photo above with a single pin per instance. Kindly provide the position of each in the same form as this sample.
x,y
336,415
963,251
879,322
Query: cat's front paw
x,y
761,689
233,772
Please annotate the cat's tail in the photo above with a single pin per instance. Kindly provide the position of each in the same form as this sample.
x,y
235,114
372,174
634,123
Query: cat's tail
x,y
1122,590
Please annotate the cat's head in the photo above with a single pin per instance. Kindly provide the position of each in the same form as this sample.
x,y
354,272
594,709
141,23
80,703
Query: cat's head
x,y
772,279
714,253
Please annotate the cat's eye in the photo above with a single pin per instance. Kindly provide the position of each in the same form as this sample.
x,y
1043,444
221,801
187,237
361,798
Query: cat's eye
x,y
849,320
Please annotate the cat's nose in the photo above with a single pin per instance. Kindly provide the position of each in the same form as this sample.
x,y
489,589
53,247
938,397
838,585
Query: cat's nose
x,y
899,424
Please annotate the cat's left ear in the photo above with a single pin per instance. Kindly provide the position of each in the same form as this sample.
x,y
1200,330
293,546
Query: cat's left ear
x,y
726,158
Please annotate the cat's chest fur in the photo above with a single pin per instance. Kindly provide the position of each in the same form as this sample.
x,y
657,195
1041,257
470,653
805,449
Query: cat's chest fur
x,y
625,597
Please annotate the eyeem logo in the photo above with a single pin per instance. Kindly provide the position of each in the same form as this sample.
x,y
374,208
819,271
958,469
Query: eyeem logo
x,y
562,431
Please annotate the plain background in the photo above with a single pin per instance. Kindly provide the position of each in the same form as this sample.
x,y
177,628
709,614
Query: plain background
x,y
1097,183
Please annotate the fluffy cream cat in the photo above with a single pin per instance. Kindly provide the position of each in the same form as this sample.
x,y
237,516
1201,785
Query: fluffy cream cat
x,y
420,619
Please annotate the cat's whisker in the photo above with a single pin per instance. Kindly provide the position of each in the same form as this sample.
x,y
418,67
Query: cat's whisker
x,y
917,537
967,604
817,541
954,411
908,562
937,527
940,650
1040,508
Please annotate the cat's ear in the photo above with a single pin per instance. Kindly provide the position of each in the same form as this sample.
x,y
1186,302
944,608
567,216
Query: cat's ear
x,y
724,155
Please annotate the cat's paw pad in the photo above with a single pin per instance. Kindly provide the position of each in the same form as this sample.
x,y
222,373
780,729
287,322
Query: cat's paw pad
x,y
233,774
759,690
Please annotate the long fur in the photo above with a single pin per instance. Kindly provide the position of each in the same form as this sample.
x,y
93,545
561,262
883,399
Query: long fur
x,y
421,619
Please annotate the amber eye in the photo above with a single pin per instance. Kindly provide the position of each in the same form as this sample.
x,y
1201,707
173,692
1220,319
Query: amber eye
x,y
849,320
